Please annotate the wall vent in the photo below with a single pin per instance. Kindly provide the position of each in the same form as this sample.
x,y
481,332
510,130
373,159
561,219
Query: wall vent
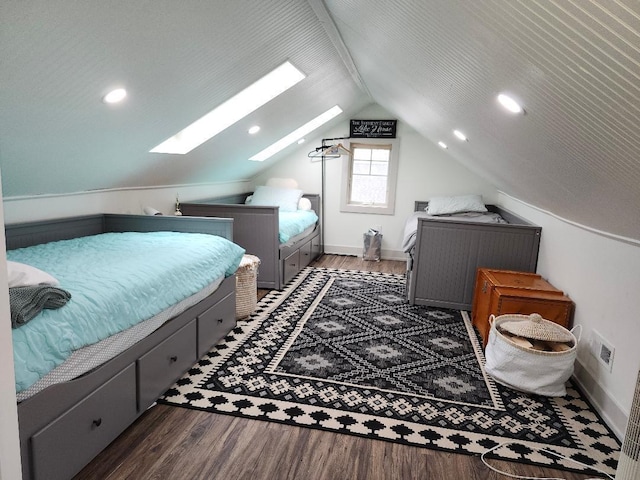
x,y
602,350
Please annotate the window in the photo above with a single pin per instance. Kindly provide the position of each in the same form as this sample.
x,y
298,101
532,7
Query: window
x,y
369,177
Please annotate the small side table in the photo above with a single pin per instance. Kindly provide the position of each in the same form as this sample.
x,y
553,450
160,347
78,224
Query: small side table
x,y
247,286
498,292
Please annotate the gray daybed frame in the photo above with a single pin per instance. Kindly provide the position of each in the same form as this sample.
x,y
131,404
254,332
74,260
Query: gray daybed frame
x,y
255,228
441,270
63,427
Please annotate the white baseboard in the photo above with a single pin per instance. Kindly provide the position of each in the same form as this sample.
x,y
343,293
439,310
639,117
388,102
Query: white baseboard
x,y
357,252
605,405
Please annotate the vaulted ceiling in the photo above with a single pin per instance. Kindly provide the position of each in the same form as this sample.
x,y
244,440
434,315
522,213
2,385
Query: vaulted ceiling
x,y
434,64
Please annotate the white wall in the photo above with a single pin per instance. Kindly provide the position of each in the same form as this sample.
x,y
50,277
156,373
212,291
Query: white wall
x,y
425,170
129,200
601,274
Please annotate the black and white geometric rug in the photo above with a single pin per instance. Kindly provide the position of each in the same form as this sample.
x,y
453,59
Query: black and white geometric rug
x,y
343,351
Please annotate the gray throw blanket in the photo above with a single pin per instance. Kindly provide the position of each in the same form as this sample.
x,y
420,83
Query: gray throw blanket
x,y
411,225
27,302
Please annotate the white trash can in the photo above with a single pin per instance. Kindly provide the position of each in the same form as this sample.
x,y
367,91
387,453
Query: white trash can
x,y
372,245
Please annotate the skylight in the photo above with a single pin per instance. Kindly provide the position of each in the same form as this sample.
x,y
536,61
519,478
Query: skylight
x,y
297,134
234,109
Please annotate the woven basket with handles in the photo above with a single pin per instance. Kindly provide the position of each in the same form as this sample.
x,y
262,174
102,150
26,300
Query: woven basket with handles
x,y
525,369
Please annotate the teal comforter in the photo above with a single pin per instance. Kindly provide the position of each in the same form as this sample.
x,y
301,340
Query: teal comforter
x,y
116,280
294,223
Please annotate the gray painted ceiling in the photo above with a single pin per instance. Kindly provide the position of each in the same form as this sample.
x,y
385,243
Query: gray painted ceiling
x,y
434,64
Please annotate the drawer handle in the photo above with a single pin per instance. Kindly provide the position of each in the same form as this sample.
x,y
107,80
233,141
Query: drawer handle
x,y
220,320
173,359
98,422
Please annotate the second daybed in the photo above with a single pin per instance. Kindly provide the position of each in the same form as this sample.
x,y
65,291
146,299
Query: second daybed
x,y
258,229
444,253
75,395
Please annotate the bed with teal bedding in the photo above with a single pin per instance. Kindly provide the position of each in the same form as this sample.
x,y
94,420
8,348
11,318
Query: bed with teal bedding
x,y
116,280
294,224
285,241
165,285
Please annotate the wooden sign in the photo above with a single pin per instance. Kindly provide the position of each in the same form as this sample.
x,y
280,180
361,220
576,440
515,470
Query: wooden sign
x,y
373,129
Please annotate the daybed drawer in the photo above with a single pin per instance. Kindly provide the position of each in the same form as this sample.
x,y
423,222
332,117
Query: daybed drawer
x,y
215,323
305,254
63,447
315,247
165,363
291,266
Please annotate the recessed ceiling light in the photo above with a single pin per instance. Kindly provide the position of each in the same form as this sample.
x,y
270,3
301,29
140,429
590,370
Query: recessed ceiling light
x,y
509,103
443,145
460,135
297,134
115,96
237,107
255,129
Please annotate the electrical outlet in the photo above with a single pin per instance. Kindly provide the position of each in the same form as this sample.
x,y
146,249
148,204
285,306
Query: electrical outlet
x,y
602,350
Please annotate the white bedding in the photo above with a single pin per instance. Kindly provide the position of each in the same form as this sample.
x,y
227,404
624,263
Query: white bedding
x,y
411,225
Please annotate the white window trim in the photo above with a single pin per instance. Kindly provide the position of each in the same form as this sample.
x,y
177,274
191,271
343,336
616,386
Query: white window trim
x,y
392,176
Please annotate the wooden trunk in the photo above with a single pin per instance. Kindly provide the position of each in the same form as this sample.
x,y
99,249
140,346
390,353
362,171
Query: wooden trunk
x,y
499,292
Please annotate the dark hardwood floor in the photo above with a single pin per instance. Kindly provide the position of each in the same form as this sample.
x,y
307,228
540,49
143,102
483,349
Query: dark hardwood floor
x,y
177,443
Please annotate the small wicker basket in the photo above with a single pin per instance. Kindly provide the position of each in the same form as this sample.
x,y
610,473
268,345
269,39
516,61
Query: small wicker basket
x,y
247,286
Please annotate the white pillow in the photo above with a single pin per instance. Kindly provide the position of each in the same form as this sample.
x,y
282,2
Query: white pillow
x,y
21,275
304,204
461,203
285,198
